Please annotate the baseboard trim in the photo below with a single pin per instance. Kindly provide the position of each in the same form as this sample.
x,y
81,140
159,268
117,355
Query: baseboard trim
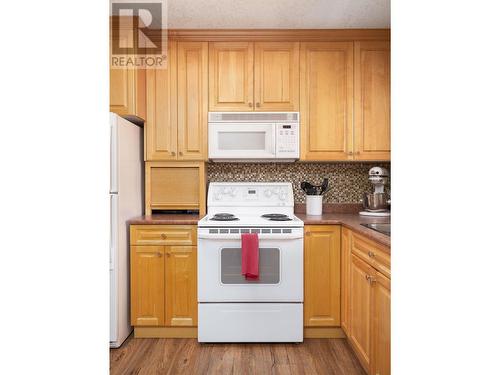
x,y
192,332
166,332
323,333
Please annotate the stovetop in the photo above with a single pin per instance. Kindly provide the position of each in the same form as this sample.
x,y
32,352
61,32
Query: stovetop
x,y
250,204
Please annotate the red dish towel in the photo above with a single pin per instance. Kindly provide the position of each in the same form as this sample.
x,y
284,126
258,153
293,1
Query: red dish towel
x,y
250,255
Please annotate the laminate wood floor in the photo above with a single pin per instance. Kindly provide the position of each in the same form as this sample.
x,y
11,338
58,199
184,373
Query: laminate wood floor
x,y
187,356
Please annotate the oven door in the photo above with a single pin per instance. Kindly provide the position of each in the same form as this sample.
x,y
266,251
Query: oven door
x,y
280,270
241,141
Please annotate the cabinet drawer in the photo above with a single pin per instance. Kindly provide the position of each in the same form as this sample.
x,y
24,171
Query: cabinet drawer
x,y
162,235
372,253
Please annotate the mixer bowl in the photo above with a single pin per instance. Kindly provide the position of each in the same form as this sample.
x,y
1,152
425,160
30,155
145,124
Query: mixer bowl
x,y
376,201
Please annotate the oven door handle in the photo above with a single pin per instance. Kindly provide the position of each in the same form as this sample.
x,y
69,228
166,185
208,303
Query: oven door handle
x,y
261,236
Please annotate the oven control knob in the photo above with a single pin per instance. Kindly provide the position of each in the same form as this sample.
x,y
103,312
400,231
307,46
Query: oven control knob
x,y
218,196
268,193
225,191
275,191
282,195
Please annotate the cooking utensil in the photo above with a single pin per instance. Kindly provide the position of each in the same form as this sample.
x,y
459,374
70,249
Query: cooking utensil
x,y
311,189
324,186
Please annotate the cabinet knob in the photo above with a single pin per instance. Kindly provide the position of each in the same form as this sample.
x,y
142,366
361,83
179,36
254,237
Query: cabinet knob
x,y
358,152
173,153
158,255
164,236
308,233
258,104
180,153
371,254
250,105
350,153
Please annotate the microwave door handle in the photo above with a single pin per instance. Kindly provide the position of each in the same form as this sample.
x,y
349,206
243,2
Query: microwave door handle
x,y
274,136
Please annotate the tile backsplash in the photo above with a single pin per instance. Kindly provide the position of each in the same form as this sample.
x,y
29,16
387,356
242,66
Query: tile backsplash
x,y
349,180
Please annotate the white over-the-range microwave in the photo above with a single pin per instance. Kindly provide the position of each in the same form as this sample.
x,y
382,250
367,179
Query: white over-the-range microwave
x,y
253,136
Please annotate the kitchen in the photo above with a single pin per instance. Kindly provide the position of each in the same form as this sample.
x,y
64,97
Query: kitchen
x,y
209,187
266,152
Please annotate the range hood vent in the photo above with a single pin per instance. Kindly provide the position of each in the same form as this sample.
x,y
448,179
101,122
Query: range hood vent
x,y
253,116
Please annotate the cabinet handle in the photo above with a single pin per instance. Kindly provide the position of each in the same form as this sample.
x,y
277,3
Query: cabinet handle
x,y
250,104
258,104
358,152
180,153
367,277
173,153
167,254
371,254
308,233
164,236
158,255
373,280
349,153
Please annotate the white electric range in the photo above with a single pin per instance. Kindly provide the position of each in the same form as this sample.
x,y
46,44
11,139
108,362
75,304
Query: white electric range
x,y
231,308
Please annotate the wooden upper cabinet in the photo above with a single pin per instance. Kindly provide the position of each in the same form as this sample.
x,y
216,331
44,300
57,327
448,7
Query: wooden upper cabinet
x,y
345,266
161,124
192,96
322,276
147,285
231,76
276,83
372,112
326,100
127,89
181,291
380,363
360,309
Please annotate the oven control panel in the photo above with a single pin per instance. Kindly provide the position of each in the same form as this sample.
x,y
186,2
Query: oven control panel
x,y
250,194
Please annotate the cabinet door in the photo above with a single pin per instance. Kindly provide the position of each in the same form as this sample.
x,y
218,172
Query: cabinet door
x,y
360,309
231,76
381,326
161,125
192,58
276,76
127,88
326,96
181,301
147,285
345,282
372,101
322,276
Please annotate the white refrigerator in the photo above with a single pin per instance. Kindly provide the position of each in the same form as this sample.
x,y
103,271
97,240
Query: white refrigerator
x,y
126,201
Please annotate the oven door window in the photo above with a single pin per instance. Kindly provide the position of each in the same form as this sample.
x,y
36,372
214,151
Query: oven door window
x,y
269,266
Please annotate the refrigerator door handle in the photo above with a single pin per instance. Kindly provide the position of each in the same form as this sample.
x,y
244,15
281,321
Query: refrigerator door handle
x,y
113,230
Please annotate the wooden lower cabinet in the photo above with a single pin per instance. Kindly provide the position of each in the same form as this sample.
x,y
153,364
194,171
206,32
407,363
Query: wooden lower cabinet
x,y
345,267
147,285
360,310
381,326
322,276
368,313
163,281
181,298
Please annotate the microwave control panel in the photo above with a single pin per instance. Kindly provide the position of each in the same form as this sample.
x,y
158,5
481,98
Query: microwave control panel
x,y
287,140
